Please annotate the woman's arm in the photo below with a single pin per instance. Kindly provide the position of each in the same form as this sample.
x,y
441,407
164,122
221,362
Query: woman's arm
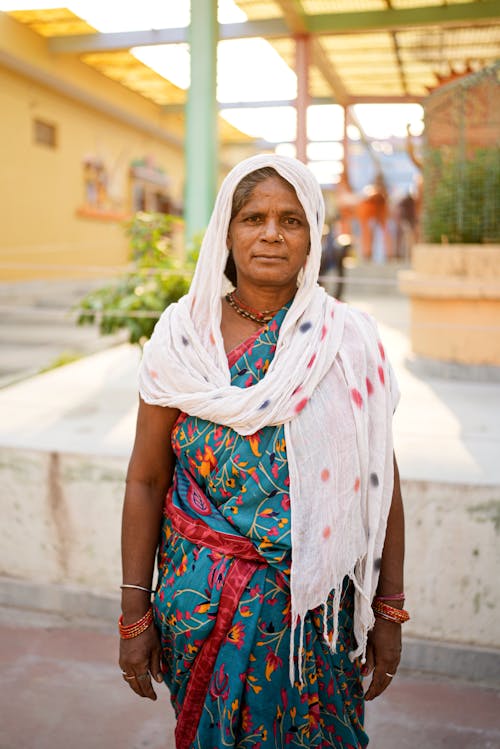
x,y
148,479
391,578
384,641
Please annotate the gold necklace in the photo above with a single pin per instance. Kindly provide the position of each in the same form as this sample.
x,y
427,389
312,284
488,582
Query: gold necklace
x,y
248,312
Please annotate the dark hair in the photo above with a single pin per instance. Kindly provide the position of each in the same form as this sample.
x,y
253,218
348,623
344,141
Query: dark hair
x,y
241,196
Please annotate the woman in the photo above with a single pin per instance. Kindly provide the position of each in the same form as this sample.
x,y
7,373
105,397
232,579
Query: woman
x,y
265,419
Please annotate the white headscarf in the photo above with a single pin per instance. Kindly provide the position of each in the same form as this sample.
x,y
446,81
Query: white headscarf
x,y
329,383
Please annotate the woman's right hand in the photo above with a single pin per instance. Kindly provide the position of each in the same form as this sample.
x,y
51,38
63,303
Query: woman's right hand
x,y
140,660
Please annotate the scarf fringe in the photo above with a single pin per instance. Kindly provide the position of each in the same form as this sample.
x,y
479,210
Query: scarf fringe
x,y
330,627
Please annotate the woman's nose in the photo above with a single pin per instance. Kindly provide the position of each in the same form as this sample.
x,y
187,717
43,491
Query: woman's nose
x,y
271,230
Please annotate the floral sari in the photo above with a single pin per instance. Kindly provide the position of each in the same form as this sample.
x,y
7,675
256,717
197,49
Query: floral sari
x,y
222,605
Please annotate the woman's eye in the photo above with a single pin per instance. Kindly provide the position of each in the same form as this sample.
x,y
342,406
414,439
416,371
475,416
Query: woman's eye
x,y
291,221
253,219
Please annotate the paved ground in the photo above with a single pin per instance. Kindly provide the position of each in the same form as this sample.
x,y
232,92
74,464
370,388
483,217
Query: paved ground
x,y
62,689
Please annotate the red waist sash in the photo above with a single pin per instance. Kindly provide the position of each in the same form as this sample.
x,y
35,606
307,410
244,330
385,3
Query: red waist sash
x,y
246,560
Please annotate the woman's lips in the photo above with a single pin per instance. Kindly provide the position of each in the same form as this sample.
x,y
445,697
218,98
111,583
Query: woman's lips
x,y
269,257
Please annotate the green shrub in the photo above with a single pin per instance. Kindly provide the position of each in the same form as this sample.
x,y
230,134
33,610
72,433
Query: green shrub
x,y
462,197
135,300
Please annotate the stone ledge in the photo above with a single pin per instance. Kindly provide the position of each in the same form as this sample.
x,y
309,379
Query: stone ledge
x,y
474,261
469,662
72,603
423,366
421,285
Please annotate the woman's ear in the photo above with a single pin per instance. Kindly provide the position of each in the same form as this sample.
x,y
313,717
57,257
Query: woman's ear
x,y
228,242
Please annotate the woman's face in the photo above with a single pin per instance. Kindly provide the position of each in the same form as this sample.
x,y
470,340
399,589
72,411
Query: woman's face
x,y
269,236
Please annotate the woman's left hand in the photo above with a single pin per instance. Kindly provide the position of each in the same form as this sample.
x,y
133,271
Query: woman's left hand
x,y
383,654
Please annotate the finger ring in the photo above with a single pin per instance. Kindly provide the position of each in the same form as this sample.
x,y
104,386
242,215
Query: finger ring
x,y
391,676
141,677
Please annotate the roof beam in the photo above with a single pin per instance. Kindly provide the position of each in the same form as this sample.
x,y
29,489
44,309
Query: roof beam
x,y
468,13
395,44
387,99
404,18
116,40
314,101
296,19
119,40
329,73
274,103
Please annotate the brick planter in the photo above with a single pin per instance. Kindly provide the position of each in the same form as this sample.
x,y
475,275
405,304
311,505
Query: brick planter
x,y
454,292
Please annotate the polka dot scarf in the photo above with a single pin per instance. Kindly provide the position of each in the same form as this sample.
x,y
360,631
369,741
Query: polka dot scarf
x,y
329,383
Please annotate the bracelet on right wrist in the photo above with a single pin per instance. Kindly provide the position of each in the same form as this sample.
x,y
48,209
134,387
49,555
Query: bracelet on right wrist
x,y
136,587
129,631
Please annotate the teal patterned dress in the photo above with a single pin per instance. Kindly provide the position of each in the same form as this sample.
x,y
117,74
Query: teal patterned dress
x,y
222,605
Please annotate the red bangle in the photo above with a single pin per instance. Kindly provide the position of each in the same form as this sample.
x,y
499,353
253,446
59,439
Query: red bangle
x,y
391,614
128,631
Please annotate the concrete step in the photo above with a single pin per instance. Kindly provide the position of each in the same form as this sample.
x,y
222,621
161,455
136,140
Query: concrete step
x,y
38,327
361,278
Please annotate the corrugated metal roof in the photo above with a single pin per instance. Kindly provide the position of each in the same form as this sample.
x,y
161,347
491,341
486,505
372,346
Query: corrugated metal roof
x,y
129,71
403,61
315,7
52,22
257,9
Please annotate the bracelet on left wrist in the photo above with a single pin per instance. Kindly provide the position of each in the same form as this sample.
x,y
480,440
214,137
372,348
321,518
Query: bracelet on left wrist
x,y
390,613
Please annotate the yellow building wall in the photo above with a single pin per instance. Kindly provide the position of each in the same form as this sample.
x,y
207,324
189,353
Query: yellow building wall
x,y
42,188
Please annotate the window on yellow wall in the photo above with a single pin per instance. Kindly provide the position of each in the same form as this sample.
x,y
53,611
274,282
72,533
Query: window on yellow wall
x,y
45,133
150,186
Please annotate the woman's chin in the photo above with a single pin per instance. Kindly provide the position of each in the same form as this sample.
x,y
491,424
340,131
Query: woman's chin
x,y
271,274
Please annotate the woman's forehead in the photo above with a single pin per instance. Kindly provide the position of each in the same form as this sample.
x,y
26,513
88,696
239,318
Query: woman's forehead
x,y
274,188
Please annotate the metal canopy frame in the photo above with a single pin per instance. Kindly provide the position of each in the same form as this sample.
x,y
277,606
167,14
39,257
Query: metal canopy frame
x,y
331,24
383,51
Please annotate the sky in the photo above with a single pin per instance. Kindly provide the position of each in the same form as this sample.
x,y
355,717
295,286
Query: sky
x,y
239,82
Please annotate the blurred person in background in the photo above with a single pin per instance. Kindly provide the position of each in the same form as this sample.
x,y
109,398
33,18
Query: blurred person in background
x,y
263,480
373,214
406,226
334,249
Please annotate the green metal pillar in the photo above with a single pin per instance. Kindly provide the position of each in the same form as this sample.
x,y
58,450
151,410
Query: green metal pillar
x,y
302,57
201,115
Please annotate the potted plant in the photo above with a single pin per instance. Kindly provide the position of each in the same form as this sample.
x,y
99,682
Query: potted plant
x,y
454,281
